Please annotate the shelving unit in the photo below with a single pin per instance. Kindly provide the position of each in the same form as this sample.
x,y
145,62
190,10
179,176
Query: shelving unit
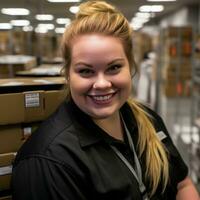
x,y
174,79
195,115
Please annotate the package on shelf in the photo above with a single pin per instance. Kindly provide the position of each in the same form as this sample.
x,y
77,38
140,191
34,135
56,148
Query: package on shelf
x,y
174,31
177,70
30,99
176,88
6,161
19,42
174,47
15,135
10,64
47,45
4,42
173,74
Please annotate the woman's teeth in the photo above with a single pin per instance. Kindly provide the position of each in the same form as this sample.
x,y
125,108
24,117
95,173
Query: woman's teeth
x,y
102,98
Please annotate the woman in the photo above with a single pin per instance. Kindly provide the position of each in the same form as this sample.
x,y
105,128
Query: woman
x,y
100,144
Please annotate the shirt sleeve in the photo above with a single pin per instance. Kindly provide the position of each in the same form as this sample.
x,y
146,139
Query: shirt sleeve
x,y
40,178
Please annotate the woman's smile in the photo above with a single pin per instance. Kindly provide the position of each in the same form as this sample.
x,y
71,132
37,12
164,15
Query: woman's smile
x,y
102,99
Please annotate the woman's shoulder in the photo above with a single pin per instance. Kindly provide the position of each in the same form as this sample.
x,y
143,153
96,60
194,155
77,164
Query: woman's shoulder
x,y
53,135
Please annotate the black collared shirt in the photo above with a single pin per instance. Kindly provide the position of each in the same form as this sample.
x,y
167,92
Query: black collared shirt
x,y
70,158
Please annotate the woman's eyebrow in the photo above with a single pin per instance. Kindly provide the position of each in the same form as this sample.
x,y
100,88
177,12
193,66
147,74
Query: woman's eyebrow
x,y
116,60
83,63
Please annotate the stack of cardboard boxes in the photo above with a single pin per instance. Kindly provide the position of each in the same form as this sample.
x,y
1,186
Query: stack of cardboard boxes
x,y
11,64
5,42
24,104
177,69
18,42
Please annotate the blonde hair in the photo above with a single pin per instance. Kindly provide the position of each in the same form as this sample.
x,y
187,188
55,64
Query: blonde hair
x,y
103,18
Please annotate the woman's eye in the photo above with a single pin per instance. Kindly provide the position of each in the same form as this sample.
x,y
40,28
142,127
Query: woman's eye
x,y
85,72
114,68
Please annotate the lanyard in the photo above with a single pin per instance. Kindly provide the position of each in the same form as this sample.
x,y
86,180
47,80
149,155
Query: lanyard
x,y
136,172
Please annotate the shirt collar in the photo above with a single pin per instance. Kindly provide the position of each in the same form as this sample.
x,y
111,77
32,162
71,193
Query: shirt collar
x,y
88,132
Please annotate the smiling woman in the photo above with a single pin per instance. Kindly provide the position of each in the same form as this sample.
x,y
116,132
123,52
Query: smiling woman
x,y
99,75
100,143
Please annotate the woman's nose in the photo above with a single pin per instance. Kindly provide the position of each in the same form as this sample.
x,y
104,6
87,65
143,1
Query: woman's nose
x,y
101,82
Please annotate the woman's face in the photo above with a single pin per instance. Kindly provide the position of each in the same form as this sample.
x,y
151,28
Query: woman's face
x,y
99,75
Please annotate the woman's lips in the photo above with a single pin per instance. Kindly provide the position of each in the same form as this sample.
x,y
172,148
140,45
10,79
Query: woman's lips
x,y
102,99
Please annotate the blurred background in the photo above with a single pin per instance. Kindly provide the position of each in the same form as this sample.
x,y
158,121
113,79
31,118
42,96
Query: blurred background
x,y
166,41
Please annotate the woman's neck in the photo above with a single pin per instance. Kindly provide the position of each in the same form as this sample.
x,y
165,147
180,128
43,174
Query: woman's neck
x,y
112,126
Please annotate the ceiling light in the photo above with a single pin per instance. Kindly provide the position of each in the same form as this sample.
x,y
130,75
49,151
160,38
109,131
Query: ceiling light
x,y
157,8
143,14
27,28
63,1
139,20
151,8
15,11
46,26
60,30
5,26
41,30
20,22
63,21
136,26
74,9
161,0
44,17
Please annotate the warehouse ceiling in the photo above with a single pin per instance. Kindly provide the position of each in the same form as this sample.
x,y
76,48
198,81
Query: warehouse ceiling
x,y
58,10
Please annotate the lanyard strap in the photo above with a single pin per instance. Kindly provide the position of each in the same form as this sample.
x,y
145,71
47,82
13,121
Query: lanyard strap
x,y
141,184
136,172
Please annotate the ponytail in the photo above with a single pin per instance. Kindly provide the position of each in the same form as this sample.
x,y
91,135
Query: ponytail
x,y
157,166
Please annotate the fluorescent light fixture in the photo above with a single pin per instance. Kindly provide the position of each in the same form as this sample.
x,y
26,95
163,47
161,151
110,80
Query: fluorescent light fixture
x,y
20,22
151,8
74,9
139,20
60,30
27,28
161,0
44,17
63,1
46,26
143,15
41,30
63,21
5,26
15,11
157,8
136,26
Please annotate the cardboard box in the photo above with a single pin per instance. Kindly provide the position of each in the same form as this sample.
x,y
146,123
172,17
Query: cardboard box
x,y
52,100
174,47
174,63
4,42
6,170
176,88
13,136
173,31
29,106
176,74
10,64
